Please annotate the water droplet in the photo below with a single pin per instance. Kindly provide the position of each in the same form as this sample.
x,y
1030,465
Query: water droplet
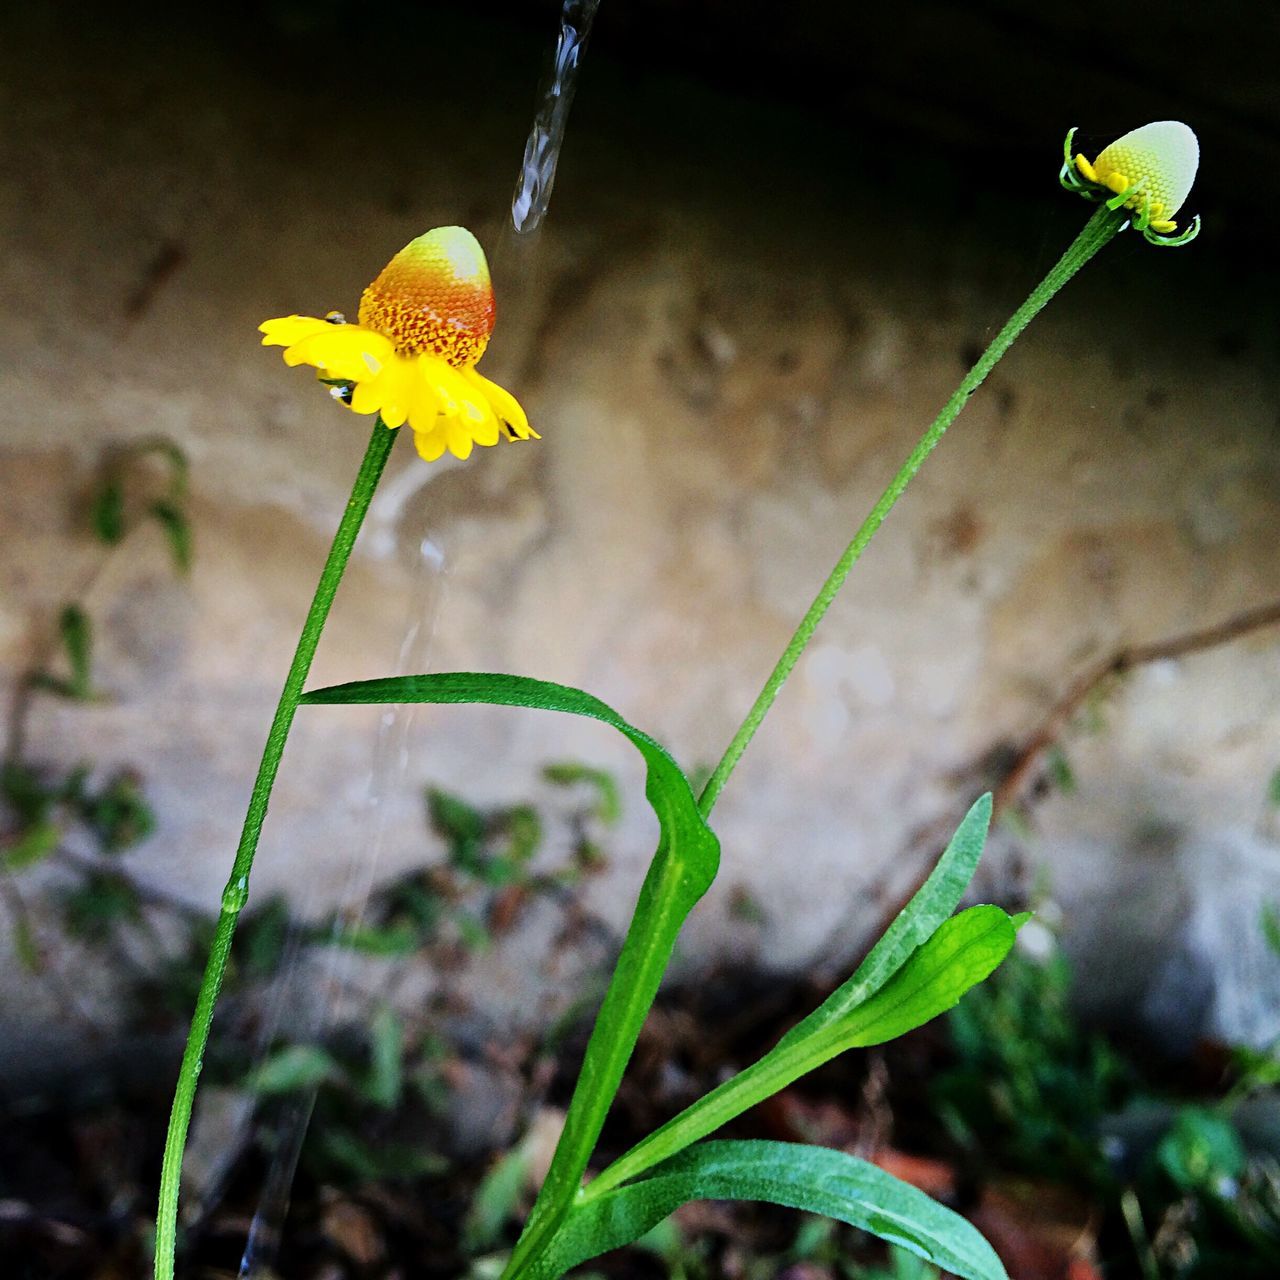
x,y
555,96
235,895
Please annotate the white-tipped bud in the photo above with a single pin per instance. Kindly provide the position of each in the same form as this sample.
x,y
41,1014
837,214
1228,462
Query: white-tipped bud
x,y
1159,161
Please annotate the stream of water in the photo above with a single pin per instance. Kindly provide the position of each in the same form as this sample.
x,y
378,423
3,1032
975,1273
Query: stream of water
x,y
555,97
309,985
312,980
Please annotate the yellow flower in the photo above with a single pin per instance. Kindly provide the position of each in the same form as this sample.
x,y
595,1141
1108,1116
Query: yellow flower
x,y
423,324
1153,167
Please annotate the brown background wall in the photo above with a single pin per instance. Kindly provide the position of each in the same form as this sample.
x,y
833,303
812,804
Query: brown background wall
x,y
774,248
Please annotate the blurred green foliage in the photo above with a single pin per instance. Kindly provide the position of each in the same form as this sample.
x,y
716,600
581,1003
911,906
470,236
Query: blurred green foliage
x,y
1032,1089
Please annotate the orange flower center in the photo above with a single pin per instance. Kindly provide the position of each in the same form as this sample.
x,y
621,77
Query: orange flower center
x,y
434,295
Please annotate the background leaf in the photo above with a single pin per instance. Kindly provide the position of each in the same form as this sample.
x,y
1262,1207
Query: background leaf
x,y
497,1199
30,846
568,773
177,528
76,632
26,947
296,1066
386,1060
815,1179
118,814
681,871
107,512
825,1032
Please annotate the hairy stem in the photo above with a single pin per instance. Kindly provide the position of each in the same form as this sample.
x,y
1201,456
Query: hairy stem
x,y
1104,224
236,893
529,1258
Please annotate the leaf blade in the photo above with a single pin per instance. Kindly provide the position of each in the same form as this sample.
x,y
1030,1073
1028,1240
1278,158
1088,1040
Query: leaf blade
x,y
682,869
928,909
812,1041
962,952
76,633
814,1179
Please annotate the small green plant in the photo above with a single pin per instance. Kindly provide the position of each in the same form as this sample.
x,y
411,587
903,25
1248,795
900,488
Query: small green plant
x,y
422,326
75,817
1028,1077
1035,1091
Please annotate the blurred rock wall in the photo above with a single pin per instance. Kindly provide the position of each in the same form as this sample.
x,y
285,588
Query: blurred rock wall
x,y
730,333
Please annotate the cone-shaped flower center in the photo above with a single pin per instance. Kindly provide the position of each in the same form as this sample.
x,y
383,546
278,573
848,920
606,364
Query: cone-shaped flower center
x,y
434,296
1159,160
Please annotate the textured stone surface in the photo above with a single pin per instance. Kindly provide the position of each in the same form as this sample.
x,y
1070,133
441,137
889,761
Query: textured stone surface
x,y
726,368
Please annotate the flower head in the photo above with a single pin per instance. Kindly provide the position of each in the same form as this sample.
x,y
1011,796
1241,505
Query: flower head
x,y
1149,170
423,325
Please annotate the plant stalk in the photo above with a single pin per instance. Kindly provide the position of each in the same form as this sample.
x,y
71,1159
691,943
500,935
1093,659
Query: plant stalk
x,y
1100,229
236,893
540,1230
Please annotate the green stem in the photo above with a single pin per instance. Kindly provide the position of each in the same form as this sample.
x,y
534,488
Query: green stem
x,y
533,1244
1104,224
237,890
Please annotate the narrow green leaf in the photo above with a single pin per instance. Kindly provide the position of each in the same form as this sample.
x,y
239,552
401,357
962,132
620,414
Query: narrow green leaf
x,y
459,823
1060,771
173,520
107,513
1269,920
356,1159
296,1066
935,900
52,684
76,633
608,797
30,846
965,950
397,939
818,1038
496,1199
681,871
386,1066
813,1179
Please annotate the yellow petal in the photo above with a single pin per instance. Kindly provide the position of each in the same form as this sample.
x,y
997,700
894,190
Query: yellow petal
x,y
367,396
1117,181
398,396
504,405
459,438
430,444
1087,169
343,351
424,408
487,432
389,393
461,397
287,330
